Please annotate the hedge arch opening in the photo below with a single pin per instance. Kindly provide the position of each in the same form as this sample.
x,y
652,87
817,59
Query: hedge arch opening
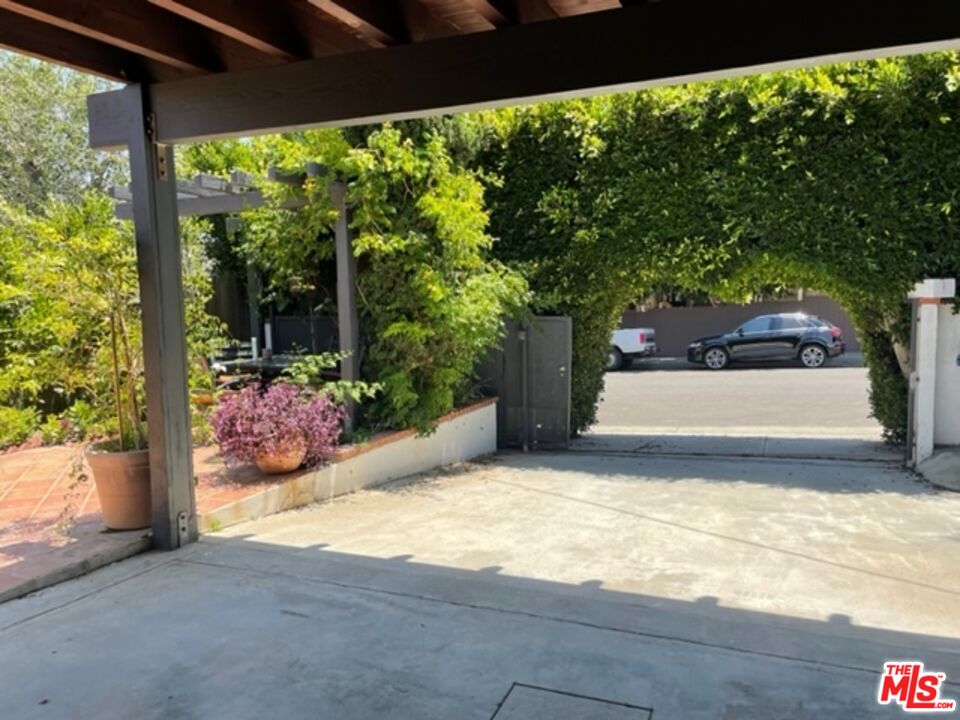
x,y
841,179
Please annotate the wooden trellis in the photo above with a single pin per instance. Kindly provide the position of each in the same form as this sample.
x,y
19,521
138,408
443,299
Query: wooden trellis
x,y
206,194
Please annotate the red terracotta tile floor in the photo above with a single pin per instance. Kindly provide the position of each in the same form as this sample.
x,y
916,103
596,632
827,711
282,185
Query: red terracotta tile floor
x,y
50,526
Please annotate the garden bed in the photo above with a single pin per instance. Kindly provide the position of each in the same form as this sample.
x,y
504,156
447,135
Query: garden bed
x,y
461,435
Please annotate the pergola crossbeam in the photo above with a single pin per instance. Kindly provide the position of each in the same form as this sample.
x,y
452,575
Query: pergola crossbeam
x,y
380,22
64,47
631,48
206,194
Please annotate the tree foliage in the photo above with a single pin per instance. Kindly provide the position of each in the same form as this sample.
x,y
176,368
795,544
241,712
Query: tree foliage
x,y
44,150
68,288
842,179
432,300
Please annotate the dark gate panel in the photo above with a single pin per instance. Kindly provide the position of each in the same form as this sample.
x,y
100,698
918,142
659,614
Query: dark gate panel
x,y
295,333
531,376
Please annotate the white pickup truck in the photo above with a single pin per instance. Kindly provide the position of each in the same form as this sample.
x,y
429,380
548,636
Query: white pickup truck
x,y
625,345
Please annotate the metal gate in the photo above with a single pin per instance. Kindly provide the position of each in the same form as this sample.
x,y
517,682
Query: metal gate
x,y
531,376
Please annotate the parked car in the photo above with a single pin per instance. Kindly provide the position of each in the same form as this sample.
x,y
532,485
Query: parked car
x,y
626,345
788,336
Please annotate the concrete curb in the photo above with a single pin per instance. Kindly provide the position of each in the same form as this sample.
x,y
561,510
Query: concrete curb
x,y
114,551
943,469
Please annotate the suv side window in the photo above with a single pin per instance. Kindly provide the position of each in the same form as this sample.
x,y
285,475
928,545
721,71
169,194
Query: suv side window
x,y
757,325
786,323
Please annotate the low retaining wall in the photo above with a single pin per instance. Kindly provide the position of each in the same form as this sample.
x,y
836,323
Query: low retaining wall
x,y
462,435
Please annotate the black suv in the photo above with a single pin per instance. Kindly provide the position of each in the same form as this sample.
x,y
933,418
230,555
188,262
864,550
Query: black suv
x,y
789,336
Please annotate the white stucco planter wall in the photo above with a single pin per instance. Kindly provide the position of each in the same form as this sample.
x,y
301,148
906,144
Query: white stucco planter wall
x,y
462,435
947,403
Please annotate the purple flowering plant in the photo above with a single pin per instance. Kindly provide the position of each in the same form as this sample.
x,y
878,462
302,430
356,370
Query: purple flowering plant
x,y
281,418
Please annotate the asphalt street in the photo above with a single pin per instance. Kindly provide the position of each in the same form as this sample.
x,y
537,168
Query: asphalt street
x,y
674,396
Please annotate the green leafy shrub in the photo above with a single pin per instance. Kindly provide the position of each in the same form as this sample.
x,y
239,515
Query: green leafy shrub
x,y
432,301
313,371
17,424
69,301
85,420
54,430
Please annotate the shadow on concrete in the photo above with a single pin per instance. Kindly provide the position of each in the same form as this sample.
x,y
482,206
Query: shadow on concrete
x,y
238,627
818,477
830,476
779,446
704,621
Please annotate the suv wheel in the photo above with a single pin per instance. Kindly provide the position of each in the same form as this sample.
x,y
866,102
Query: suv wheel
x,y
614,359
813,356
716,358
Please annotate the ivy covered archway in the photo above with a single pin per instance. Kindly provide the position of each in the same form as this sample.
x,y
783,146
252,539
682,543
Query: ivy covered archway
x,y
841,179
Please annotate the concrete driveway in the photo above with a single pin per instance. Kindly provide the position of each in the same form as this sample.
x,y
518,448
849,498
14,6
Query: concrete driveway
x,y
668,406
543,586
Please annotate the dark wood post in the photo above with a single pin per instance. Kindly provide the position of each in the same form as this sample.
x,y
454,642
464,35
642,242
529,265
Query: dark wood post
x,y
347,317
153,182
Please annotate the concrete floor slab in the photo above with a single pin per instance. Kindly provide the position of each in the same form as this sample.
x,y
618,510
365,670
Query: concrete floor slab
x,y
529,703
704,589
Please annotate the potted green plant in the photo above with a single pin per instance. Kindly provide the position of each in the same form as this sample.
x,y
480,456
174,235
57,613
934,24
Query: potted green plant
x,y
121,466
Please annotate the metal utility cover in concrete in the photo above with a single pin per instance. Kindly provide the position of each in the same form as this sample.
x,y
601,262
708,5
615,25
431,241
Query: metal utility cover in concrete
x,y
524,702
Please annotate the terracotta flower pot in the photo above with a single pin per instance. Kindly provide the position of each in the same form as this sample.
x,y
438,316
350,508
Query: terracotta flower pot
x,y
282,462
122,480
202,399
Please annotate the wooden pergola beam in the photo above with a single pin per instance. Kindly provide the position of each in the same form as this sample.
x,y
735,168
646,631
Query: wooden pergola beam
x,y
627,49
534,10
382,22
132,26
496,12
46,42
243,21
423,23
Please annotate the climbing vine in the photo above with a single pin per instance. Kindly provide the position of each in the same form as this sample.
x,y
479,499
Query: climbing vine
x,y
842,179
432,299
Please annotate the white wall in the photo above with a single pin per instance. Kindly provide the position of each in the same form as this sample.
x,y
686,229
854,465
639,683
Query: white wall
x,y
947,418
464,437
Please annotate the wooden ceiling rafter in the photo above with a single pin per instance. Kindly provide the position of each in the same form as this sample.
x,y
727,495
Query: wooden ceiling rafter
x,y
140,29
380,22
157,41
267,33
496,12
47,42
291,30
424,23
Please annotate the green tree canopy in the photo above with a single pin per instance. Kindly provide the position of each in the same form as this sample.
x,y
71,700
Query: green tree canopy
x,y
44,151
